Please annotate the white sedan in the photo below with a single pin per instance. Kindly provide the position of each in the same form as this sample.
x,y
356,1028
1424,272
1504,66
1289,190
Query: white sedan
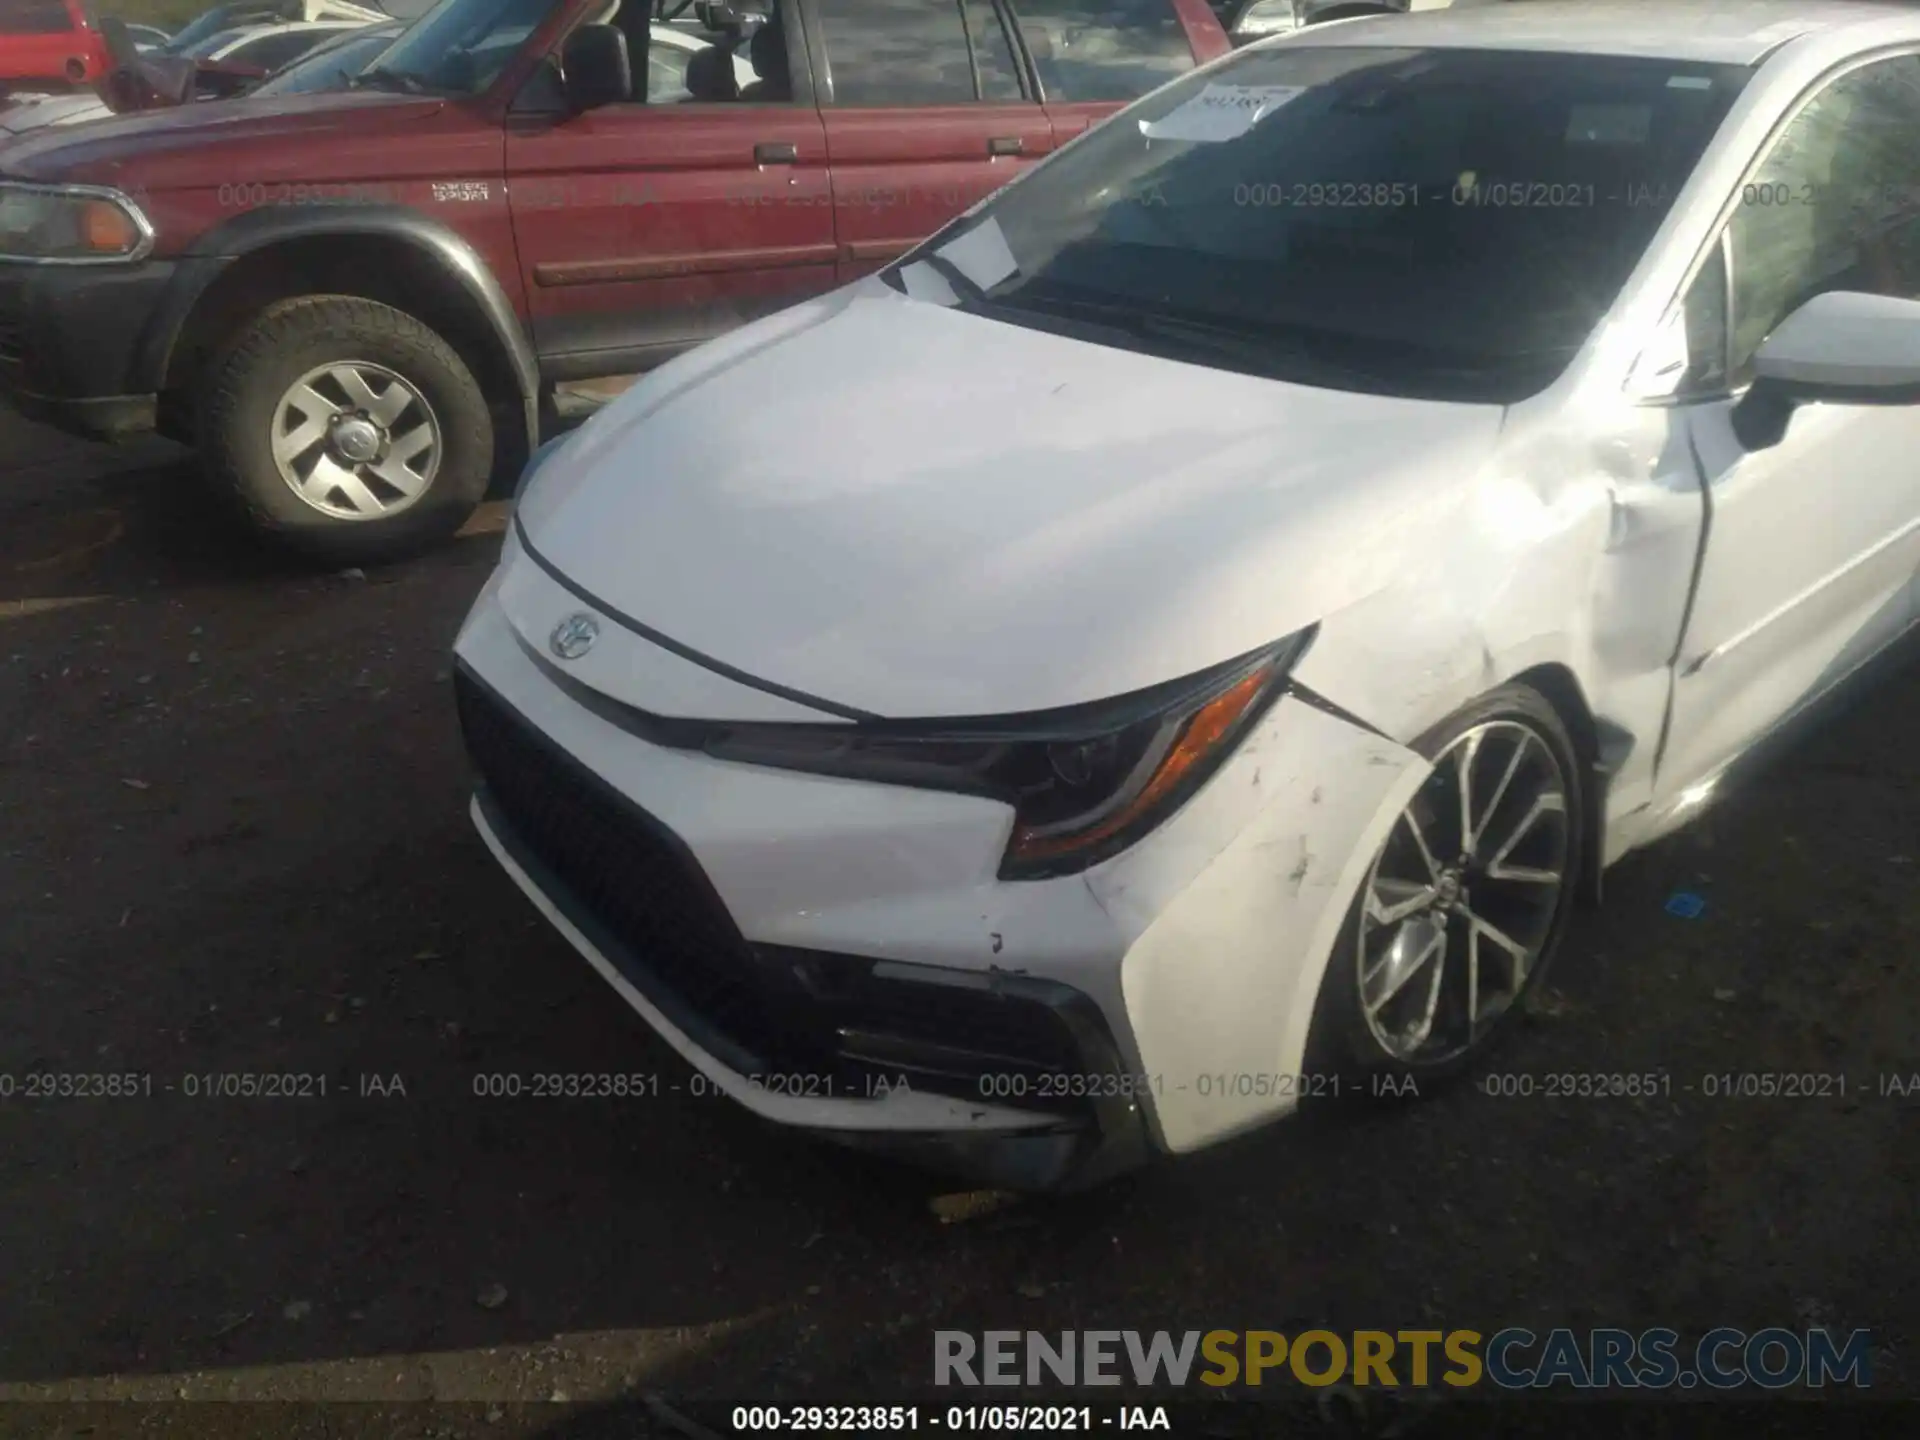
x,y
1179,643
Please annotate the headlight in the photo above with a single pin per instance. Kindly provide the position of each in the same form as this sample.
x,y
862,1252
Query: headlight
x,y
1084,783
71,225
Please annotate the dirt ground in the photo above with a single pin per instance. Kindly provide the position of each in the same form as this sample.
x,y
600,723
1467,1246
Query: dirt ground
x,y
233,838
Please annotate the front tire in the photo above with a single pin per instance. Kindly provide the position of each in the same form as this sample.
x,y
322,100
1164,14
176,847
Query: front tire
x,y
1464,907
347,430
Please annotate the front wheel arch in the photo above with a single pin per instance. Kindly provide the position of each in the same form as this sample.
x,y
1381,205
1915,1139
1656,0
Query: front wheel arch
x,y
398,259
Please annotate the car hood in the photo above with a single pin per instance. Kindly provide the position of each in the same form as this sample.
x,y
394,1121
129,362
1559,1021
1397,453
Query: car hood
x,y
174,144
54,110
915,511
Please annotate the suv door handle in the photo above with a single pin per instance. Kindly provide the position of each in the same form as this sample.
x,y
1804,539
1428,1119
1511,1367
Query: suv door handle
x,y
1006,145
776,152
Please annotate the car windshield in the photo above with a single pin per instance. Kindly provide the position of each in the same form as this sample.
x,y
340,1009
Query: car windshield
x,y
459,47
1441,223
188,39
201,48
329,67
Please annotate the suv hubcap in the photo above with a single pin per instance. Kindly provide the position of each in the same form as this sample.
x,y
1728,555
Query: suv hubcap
x,y
356,441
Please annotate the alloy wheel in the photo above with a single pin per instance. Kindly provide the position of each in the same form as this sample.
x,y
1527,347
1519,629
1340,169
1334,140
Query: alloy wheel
x,y
1462,900
356,441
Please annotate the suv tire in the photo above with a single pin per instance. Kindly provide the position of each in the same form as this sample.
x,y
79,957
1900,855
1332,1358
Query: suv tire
x,y
350,384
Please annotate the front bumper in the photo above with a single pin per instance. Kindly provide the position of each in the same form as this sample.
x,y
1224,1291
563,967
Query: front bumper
x,y
71,345
795,937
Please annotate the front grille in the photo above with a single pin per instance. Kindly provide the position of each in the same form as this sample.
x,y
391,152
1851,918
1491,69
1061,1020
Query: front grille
x,y
619,865
845,1021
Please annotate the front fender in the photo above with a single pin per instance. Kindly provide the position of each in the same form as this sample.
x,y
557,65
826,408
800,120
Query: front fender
x,y
208,257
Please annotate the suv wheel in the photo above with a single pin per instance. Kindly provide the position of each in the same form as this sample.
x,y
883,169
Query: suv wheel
x,y
347,430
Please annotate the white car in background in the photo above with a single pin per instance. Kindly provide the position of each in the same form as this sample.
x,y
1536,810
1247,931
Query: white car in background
x,y
1177,644
267,47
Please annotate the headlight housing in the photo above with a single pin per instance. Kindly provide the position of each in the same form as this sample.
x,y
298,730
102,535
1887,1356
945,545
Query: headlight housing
x,y
71,225
1084,783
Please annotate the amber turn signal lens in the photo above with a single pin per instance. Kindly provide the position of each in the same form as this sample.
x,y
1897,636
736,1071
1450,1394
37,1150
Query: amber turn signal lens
x,y
107,229
1201,735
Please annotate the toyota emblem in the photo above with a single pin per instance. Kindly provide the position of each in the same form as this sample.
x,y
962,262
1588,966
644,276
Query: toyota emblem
x,y
574,636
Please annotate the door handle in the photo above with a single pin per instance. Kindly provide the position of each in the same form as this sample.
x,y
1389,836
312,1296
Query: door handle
x,y
776,152
1006,145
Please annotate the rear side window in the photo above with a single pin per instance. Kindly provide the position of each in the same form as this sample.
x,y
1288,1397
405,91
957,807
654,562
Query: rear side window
x,y
897,52
34,17
1104,49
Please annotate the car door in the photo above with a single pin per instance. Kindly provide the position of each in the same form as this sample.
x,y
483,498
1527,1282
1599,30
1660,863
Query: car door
x,y
926,108
1812,543
647,228
1093,56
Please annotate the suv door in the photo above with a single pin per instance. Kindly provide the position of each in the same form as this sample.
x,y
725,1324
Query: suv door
x,y
1812,543
927,109
647,228
1093,56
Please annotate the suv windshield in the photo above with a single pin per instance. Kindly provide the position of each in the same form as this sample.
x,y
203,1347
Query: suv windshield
x,y
1442,223
459,47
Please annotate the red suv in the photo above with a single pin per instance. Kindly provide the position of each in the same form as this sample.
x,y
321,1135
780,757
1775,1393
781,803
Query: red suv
x,y
48,45
356,303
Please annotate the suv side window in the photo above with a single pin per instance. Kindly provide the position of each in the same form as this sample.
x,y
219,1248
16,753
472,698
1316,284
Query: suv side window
x,y
898,52
993,52
1834,206
1104,49
34,17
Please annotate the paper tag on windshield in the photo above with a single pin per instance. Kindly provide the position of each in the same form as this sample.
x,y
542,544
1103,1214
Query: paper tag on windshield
x,y
1220,112
923,282
981,254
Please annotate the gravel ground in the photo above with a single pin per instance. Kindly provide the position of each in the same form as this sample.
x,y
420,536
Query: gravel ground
x,y
233,835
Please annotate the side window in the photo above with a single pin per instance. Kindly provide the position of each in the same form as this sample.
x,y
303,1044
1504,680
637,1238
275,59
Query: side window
x,y
993,52
897,52
1104,49
667,75
1834,206
1706,326
34,17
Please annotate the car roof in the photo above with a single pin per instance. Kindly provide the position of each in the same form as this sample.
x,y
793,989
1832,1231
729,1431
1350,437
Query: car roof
x,y
1726,32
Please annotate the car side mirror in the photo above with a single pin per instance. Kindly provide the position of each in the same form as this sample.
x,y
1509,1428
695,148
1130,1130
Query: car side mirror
x,y
595,69
1844,348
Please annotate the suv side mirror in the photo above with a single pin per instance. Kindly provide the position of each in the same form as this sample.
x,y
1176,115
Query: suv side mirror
x,y
595,68
1842,347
